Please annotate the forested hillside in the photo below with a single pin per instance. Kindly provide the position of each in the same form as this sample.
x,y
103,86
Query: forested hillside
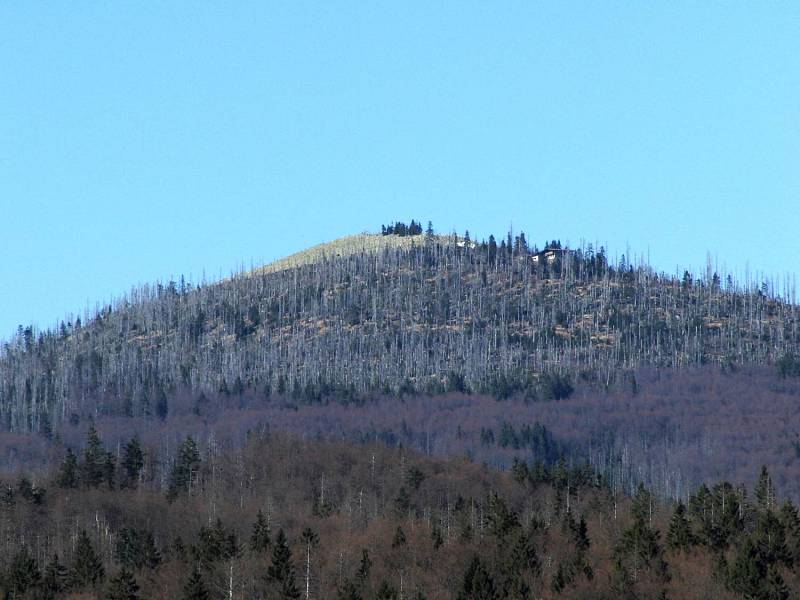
x,y
409,416
283,518
432,314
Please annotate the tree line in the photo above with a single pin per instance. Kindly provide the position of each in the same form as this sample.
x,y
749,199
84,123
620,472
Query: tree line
x,y
401,229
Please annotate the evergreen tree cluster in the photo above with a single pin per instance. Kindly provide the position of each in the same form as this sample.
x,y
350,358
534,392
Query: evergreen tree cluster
x,y
98,467
401,229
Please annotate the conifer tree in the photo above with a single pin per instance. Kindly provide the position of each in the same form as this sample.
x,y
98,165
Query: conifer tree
x,y
68,476
348,591
621,582
364,568
524,555
260,538
123,586
185,469
136,549
700,503
386,591
639,546
559,580
195,588
516,587
502,520
25,488
580,536
126,550
770,540
94,459
162,404
775,588
399,539
23,574
520,562
679,534
748,571
790,519
110,470
436,536
478,584
415,477
87,570
215,544
149,555
281,573
519,471
641,506
132,463
179,549
402,502
56,578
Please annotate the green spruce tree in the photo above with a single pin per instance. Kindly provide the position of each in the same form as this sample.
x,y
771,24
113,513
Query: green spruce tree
x,y
215,544
790,519
55,580
679,535
775,588
399,539
149,554
184,472
87,570
123,586
364,568
260,538
281,573
92,469
110,471
639,547
348,591
68,476
478,583
132,463
126,549
748,572
23,574
195,588
386,591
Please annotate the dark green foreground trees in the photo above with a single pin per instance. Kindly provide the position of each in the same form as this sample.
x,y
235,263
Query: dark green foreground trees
x,y
394,525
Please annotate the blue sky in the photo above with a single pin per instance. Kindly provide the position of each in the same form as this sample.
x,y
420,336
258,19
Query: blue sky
x,y
142,141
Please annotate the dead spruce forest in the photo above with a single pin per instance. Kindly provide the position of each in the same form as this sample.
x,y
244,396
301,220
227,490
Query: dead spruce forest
x,y
409,415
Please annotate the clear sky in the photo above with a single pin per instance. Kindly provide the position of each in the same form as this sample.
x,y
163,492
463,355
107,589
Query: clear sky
x,y
140,141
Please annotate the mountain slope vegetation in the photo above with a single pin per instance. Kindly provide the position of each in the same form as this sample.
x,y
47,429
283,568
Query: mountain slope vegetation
x,y
428,314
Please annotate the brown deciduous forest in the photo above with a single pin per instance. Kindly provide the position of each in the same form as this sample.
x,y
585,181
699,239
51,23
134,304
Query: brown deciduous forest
x,y
281,517
409,415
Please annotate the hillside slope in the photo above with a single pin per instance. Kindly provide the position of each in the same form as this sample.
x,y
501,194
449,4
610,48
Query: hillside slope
x,y
418,315
362,243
